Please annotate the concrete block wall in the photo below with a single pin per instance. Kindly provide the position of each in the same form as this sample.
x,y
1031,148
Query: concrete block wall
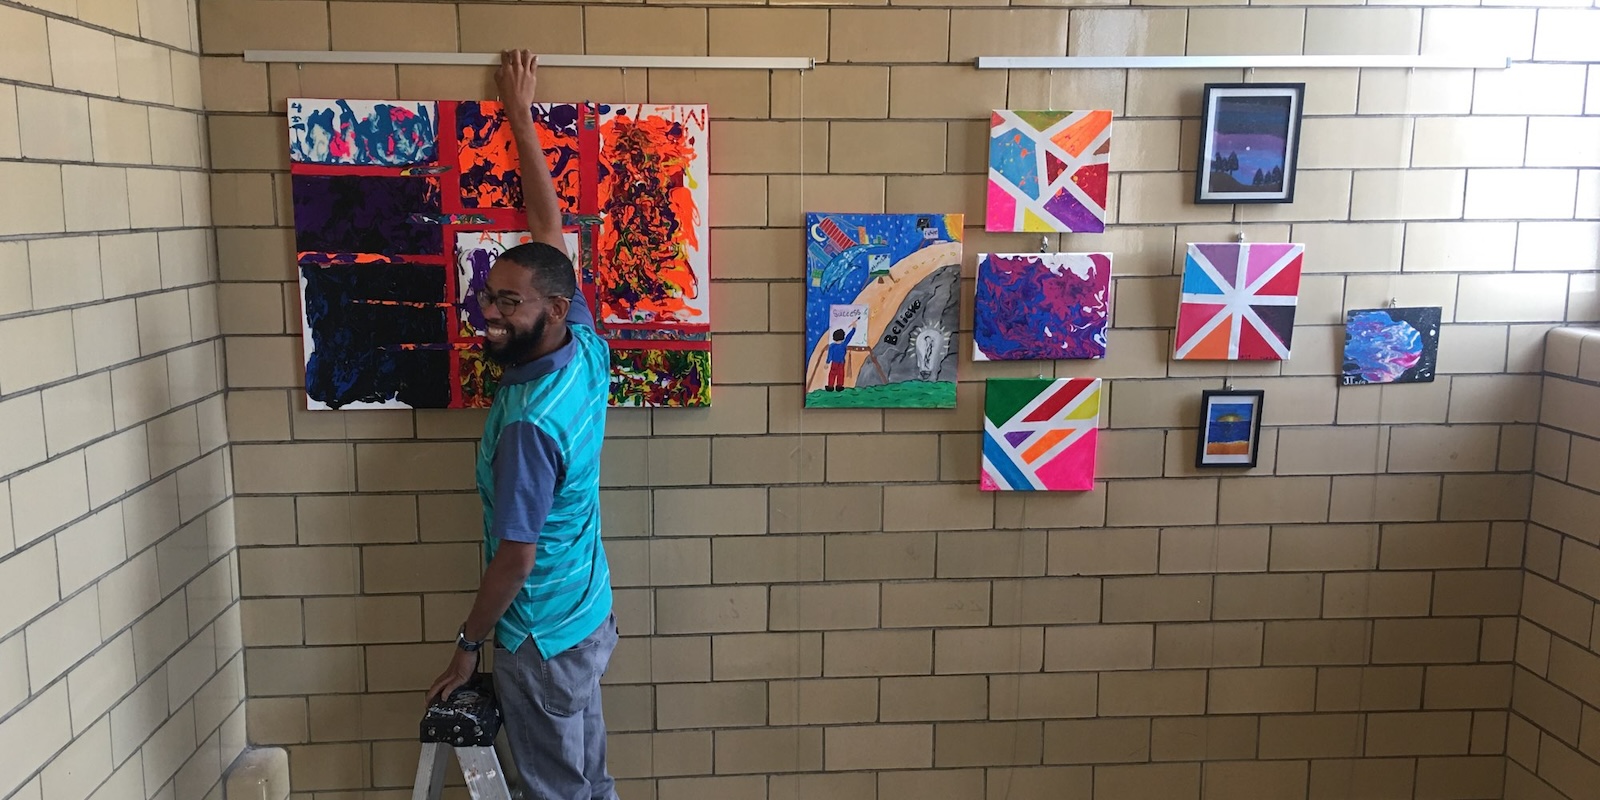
x,y
121,657
1554,735
812,602
822,602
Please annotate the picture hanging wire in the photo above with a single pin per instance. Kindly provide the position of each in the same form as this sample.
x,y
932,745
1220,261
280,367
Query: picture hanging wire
x,y
801,79
1379,466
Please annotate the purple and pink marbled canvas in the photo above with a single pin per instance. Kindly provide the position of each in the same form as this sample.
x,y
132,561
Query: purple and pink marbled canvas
x,y
1041,306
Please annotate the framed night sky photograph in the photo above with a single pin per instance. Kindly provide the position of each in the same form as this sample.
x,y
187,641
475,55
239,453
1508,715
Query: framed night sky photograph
x,y
1249,142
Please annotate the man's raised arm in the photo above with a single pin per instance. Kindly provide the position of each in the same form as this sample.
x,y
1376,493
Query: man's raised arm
x,y
517,77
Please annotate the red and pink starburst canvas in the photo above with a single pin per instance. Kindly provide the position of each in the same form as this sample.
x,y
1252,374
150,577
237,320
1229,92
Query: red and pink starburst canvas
x,y
1238,301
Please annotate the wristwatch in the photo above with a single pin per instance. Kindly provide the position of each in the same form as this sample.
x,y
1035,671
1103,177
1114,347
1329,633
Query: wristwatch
x,y
462,643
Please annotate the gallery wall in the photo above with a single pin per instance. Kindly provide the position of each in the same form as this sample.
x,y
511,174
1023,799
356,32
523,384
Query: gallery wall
x,y
822,601
121,660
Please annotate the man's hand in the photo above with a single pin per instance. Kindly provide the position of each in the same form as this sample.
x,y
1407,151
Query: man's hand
x,y
462,665
517,77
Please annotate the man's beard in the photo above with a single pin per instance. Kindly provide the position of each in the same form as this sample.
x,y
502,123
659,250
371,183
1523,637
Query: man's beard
x,y
520,346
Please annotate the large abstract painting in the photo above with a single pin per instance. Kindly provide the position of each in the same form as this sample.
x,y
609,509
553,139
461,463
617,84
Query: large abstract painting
x,y
1041,306
1048,171
401,207
1040,434
1238,301
1391,345
882,309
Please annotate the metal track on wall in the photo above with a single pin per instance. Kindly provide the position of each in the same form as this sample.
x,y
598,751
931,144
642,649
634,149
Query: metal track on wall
x,y
1465,61
545,60
1468,61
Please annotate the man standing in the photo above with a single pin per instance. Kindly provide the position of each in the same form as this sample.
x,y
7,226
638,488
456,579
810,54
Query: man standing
x,y
546,593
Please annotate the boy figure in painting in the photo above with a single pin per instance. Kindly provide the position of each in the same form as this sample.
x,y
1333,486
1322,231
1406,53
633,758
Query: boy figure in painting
x,y
838,352
546,593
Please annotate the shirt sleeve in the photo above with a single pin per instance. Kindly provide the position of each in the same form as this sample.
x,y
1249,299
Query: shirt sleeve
x,y
580,313
527,470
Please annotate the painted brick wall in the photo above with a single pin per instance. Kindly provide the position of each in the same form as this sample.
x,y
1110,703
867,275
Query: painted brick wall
x,y
1555,723
822,602
121,657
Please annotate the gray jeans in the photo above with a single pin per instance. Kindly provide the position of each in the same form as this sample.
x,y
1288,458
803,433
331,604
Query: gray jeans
x,y
553,722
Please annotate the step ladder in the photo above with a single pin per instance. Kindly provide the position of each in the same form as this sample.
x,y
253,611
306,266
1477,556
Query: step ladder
x,y
467,722
480,765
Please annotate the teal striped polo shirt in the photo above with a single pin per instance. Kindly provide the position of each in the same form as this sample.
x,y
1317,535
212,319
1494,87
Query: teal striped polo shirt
x,y
539,478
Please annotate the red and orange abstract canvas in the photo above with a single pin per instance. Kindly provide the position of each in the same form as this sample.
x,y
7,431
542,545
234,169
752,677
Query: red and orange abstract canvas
x,y
401,207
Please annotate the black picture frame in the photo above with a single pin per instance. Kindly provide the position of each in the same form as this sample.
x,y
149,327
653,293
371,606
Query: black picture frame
x,y
1265,117
1226,452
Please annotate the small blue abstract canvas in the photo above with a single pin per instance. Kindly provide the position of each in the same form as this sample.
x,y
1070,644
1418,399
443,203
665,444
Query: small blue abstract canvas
x,y
1391,345
363,132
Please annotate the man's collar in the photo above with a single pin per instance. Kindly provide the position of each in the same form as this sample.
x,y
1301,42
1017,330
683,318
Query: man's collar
x,y
541,366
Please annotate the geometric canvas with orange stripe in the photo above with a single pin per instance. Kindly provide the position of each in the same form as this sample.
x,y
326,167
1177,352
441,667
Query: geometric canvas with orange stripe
x,y
1040,434
1048,171
1238,301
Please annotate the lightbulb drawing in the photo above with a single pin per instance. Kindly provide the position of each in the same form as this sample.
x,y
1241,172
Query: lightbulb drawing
x,y
931,343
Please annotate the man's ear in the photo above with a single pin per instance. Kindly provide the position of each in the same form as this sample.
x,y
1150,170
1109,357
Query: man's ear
x,y
560,306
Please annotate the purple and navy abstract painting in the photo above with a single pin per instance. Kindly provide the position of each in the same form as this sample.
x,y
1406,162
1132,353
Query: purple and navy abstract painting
x,y
1391,345
378,330
365,214
1041,306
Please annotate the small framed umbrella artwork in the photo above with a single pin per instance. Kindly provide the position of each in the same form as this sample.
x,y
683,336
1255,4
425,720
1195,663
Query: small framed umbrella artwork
x,y
1230,428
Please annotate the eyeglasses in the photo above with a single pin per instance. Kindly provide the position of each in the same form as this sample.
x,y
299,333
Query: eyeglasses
x,y
506,305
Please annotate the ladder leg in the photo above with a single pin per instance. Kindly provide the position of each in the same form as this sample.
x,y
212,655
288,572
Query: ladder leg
x,y
430,772
508,765
485,780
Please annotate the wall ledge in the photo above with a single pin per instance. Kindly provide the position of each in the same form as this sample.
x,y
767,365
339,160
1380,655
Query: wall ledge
x,y
259,773
1573,353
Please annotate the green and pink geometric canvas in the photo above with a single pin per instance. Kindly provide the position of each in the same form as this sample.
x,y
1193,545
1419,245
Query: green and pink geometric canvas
x,y
1039,434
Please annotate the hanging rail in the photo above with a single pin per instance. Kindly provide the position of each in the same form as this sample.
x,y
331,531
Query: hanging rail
x,y
1468,61
545,60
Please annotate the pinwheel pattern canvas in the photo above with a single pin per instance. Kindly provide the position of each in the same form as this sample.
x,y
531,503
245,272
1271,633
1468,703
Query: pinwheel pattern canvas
x,y
1039,434
1238,301
1048,171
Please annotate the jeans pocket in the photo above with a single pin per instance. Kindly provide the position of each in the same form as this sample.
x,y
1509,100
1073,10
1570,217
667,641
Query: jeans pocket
x,y
572,676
